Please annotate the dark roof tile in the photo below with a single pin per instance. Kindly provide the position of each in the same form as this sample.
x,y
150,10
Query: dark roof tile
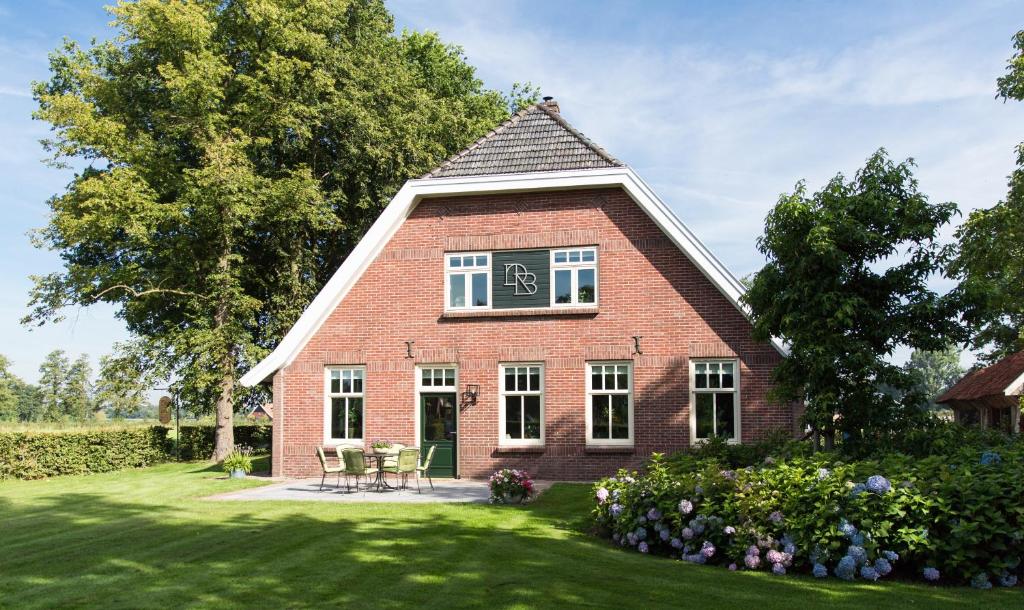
x,y
988,381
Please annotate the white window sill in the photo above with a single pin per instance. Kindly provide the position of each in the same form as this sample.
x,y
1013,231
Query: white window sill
x,y
517,312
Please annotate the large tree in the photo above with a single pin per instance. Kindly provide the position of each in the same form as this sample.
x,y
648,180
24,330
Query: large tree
x,y
846,283
234,152
990,263
52,382
121,387
8,396
934,372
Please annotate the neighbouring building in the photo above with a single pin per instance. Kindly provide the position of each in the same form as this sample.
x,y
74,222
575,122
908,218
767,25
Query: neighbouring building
x,y
262,412
529,303
990,397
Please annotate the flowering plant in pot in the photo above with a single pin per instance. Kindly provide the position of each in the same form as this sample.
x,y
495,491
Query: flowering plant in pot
x,y
238,463
510,486
381,445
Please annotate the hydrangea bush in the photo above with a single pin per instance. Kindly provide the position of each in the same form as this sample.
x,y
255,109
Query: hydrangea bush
x,y
942,519
510,485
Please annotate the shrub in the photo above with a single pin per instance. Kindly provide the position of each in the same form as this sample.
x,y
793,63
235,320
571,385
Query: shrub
x,y
37,455
957,518
240,458
778,443
510,485
196,442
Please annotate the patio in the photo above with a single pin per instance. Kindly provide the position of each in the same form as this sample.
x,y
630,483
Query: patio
x,y
445,490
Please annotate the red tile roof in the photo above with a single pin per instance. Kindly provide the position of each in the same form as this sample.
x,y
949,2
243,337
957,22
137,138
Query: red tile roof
x,y
989,381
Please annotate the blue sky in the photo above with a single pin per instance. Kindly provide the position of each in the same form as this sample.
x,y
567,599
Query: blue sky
x,y
721,106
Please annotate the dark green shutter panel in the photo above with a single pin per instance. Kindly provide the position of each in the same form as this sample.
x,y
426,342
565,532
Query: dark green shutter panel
x,y
521,278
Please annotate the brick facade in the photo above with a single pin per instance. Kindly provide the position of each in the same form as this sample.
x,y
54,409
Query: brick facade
x,y
647,287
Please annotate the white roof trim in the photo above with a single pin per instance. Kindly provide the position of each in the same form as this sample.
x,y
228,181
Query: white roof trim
x,y
405,201
1016,387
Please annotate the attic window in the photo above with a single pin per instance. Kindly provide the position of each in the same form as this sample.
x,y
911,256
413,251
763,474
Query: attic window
x,y
467,281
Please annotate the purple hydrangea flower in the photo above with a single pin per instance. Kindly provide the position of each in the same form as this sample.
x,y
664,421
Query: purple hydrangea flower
x,y
789,549
857,553
819,571
752,561
642,547
664,534
846,569
774,556
602,495
891,556
882,566
1007,580
641,533
698,490
697,526
980,581
631,538
729,530
732,567
778,569
615,495
707,549
753,550
676,543
868,573
641,519
615,510
776,517
695,558
685,507
654,514
687,533
877,484
930,574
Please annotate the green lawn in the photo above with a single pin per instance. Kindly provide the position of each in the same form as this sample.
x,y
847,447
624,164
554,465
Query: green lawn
x,y
145,538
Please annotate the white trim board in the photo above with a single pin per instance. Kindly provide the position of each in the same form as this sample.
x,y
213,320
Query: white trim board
x,y
405,201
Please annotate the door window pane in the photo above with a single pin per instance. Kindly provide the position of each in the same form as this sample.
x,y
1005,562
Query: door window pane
x,y
439,418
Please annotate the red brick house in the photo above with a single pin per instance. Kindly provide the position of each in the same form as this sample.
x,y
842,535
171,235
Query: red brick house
x,y
990,397
531,303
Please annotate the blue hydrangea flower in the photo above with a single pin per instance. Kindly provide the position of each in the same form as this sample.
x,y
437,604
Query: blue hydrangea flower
x,y
857,539
891,556
858,489
857,553
930,574
641,533
1007,580
615,510
641,519
819,571
846,568
789,549
882,566
631,537
778,569
695,558
776,517
868,573
664,534
685,507
980,581
697,526
642,547
990,457
848,529
654,514
877,484
687,533
615,495
698,490
676,543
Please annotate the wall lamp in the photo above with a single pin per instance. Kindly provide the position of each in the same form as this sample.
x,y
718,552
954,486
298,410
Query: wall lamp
x,y
471,393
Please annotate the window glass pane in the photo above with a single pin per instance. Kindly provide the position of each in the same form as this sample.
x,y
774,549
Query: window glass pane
x,y
437,373
563,286
574,256
725,423
587,285
620,416
455,261
457,294
428,378
481,260
449,377
559,257
531,417
623,377
346,382
705,415
521,379
534,378
510,379
479,289
467,261
335,382
713,378
727,379
609,377
513,417
596,380
338,418
355,418
599,416
588,256
357,382
439,418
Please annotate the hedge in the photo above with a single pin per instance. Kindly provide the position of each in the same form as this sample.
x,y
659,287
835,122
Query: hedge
x,y
196,442
37,455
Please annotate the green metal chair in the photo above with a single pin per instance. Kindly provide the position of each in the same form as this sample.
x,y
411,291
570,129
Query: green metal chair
x,y
355,465
391,460
405,464
425,469
340,470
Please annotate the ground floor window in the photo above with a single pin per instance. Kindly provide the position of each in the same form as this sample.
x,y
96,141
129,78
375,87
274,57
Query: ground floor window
x,y
521,417
343,412
715,405
610,403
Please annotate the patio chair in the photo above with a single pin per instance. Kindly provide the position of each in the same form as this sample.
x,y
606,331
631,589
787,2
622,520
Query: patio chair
x,y
355,465
425,469
340,469
405,464
391,461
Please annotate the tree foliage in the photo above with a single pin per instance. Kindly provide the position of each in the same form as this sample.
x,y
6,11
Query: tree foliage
x,y
235,151
845,284
8,395
121,387
934,372
990,262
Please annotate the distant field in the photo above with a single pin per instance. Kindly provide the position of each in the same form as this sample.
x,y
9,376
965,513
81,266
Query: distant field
x,y
73,426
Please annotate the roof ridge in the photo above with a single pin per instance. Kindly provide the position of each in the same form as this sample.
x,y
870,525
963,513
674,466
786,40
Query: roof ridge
x,y
592,145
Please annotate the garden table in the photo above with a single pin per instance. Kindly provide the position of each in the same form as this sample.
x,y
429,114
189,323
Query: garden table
x,y
381,482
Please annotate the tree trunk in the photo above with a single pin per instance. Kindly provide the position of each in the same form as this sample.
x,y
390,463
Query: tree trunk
x,y
224,435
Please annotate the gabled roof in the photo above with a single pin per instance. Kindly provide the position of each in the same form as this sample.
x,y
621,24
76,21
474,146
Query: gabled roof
x,y
414,191
1004,378
535,139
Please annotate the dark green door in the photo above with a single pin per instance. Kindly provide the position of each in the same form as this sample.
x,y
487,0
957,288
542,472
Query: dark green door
x,y
437,421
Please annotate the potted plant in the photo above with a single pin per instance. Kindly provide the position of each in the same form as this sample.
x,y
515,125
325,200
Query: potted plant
x,y
238,463
381,446
510,486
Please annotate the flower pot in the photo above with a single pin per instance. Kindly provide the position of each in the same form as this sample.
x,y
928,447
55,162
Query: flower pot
x,y
237,473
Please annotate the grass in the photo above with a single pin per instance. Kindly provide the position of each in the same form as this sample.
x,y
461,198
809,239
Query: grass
x,y
146,538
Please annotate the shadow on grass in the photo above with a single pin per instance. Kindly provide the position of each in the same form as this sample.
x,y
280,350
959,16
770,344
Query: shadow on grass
x,y
86,549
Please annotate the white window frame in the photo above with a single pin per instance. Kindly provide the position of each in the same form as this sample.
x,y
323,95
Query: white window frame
x,y
468,271
434,370
608,442
328,395
694,391
503,394
574,269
